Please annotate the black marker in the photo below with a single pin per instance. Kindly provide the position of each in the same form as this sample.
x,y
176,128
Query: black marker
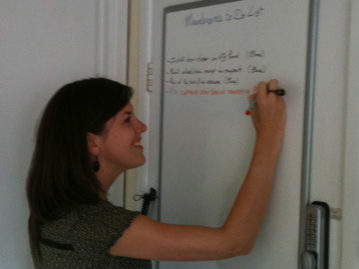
x,y
279,92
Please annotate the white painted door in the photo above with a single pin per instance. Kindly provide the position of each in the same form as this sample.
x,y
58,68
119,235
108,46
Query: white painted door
x,y
333,148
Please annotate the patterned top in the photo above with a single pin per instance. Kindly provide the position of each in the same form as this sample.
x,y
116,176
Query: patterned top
x,y
82,239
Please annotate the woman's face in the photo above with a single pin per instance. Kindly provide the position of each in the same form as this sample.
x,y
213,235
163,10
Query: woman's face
x,y
121,146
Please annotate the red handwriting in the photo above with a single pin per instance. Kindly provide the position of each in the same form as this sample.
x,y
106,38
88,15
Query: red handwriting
x,y
215,92
238,92
189,92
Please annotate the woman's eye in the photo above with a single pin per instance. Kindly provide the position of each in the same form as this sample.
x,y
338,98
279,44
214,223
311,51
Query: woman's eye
x,y
128,120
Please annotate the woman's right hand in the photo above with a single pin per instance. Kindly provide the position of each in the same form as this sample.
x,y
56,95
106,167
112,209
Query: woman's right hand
x,y
269,115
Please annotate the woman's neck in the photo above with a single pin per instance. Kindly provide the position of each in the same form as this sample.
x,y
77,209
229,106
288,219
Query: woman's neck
x,y
106,179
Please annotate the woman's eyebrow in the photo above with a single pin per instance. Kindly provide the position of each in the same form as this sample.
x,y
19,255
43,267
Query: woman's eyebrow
x,y
126,114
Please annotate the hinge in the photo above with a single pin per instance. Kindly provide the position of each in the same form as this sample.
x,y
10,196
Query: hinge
x,y
149,77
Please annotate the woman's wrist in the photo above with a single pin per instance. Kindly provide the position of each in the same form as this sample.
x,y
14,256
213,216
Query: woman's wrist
x,y
269,143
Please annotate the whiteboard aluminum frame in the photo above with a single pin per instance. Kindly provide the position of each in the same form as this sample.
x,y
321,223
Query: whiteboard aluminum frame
x,y
313,22
308,122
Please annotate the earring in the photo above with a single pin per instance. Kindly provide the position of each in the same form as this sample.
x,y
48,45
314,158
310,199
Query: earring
x,y
96,165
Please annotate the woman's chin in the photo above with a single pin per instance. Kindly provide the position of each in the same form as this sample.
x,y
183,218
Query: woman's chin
x,y
141,161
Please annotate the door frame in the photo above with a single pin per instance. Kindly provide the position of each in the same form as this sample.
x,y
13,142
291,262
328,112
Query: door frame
x,y
350,230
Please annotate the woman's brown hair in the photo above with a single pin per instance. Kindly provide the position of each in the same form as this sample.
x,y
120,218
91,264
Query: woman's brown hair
x,y
61,175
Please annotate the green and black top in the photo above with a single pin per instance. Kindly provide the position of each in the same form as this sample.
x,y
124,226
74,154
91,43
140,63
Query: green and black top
x,y
83,238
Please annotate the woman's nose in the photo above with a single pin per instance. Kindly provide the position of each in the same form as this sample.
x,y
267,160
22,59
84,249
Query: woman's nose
x,y
140,126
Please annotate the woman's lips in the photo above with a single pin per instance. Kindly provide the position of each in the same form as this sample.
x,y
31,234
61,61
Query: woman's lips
x,y
138,144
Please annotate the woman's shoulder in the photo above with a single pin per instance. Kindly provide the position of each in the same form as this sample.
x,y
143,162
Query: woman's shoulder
x,y
103,210
91,230
103,216
97,221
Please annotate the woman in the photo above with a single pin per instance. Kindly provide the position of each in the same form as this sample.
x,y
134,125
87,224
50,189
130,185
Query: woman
x,y
87,137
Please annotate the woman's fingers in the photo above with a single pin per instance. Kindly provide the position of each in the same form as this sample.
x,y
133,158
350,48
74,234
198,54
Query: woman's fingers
x,y
273,84
261,91
269,115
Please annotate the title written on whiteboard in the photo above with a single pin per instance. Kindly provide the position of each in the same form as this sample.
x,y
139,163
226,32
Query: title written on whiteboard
x,y
237,14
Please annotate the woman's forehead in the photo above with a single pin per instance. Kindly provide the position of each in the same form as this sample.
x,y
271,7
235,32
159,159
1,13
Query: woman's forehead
x,y
127,108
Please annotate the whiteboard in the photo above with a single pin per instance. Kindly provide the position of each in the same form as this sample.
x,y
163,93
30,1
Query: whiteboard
x,y
214,52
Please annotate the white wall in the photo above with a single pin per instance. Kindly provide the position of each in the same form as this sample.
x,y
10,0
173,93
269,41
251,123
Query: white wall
x,y
43,45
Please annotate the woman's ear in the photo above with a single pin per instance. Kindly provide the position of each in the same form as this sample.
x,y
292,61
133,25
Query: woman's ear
x,y
93,144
